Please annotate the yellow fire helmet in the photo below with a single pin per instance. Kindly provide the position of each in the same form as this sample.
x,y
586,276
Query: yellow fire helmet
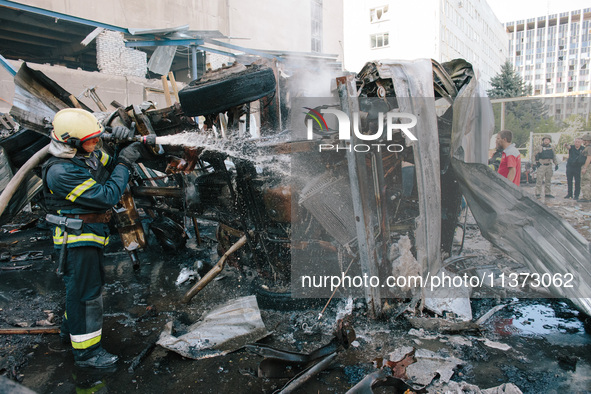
x,y
74,126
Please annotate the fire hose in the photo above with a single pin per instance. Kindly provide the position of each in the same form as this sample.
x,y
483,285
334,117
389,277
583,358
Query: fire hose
x,y
39,157
20,175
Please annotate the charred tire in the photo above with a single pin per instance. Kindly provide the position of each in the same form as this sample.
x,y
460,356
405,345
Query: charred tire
x,y
20,146
212,97
283,301
170,234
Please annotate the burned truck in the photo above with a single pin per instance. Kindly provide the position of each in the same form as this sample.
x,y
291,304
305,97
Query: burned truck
x,y
291,195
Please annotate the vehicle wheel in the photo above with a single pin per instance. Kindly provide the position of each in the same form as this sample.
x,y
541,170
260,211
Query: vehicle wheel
x,y
216,96
170,234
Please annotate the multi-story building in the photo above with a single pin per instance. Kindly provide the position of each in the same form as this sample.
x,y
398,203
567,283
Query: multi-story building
x,y
31,31
437,29
552,54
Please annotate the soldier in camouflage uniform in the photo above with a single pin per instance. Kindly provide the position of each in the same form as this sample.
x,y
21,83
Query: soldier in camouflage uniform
x,y
545,156
586,170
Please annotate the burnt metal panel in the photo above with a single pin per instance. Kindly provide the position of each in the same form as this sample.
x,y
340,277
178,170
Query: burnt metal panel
x,y
37,98
413,84
361,197
473,123
526,230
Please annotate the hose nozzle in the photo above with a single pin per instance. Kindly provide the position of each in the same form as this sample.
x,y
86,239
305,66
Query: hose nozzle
x,y
149,139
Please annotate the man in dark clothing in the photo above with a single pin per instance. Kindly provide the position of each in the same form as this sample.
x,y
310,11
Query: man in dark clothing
x,y
83,183
586,170
495,160
573,167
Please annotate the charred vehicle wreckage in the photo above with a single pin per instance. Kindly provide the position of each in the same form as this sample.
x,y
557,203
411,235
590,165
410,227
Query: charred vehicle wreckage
x,y
295,191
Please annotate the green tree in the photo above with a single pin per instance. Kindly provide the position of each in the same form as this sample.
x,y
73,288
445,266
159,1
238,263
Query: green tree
x,y
507,84
521,117
571,128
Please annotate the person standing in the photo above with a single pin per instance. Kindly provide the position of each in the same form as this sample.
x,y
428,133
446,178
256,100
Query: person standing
x,y
82,183
495,159
545,156
510,166
586,170
573,168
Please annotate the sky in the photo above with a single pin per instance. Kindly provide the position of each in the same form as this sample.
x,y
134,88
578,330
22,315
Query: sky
x,y
511,10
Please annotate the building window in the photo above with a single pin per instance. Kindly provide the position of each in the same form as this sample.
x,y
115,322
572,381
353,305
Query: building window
x,y
379,40
316,22
378,14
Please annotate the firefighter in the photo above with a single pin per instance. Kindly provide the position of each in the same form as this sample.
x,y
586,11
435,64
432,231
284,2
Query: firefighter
x,y
82,182
495,160
586,170
545,156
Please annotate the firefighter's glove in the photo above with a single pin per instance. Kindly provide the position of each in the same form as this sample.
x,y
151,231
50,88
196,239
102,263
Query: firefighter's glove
x,y
538,165
121,133
556,167
131,154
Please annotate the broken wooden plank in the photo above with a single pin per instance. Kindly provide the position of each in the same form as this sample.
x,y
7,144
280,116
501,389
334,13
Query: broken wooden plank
x,y
29,330
75,101
175,89
166,91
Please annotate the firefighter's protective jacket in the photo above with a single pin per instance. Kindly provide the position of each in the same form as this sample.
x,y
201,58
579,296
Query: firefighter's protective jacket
x,y
92,183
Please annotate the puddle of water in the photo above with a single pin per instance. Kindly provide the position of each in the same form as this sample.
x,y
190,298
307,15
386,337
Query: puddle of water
x,y
542,320
551,320
550,348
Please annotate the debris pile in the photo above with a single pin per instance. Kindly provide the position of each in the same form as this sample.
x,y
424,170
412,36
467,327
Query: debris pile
x,y
272,210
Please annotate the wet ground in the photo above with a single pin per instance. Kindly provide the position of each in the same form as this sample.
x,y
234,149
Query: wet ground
x,y
541,345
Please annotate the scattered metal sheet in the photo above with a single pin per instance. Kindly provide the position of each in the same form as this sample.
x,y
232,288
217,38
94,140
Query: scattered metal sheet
x,y
383,378
25,256
283,363
10,386
429,365
527,231
463,387
473,121
16,267
306,375
161,59
449,299
442,325
185,275
37,98
496,345
221,331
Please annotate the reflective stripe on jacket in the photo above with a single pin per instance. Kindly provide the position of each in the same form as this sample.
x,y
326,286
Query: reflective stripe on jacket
x,y
81,185
82,239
